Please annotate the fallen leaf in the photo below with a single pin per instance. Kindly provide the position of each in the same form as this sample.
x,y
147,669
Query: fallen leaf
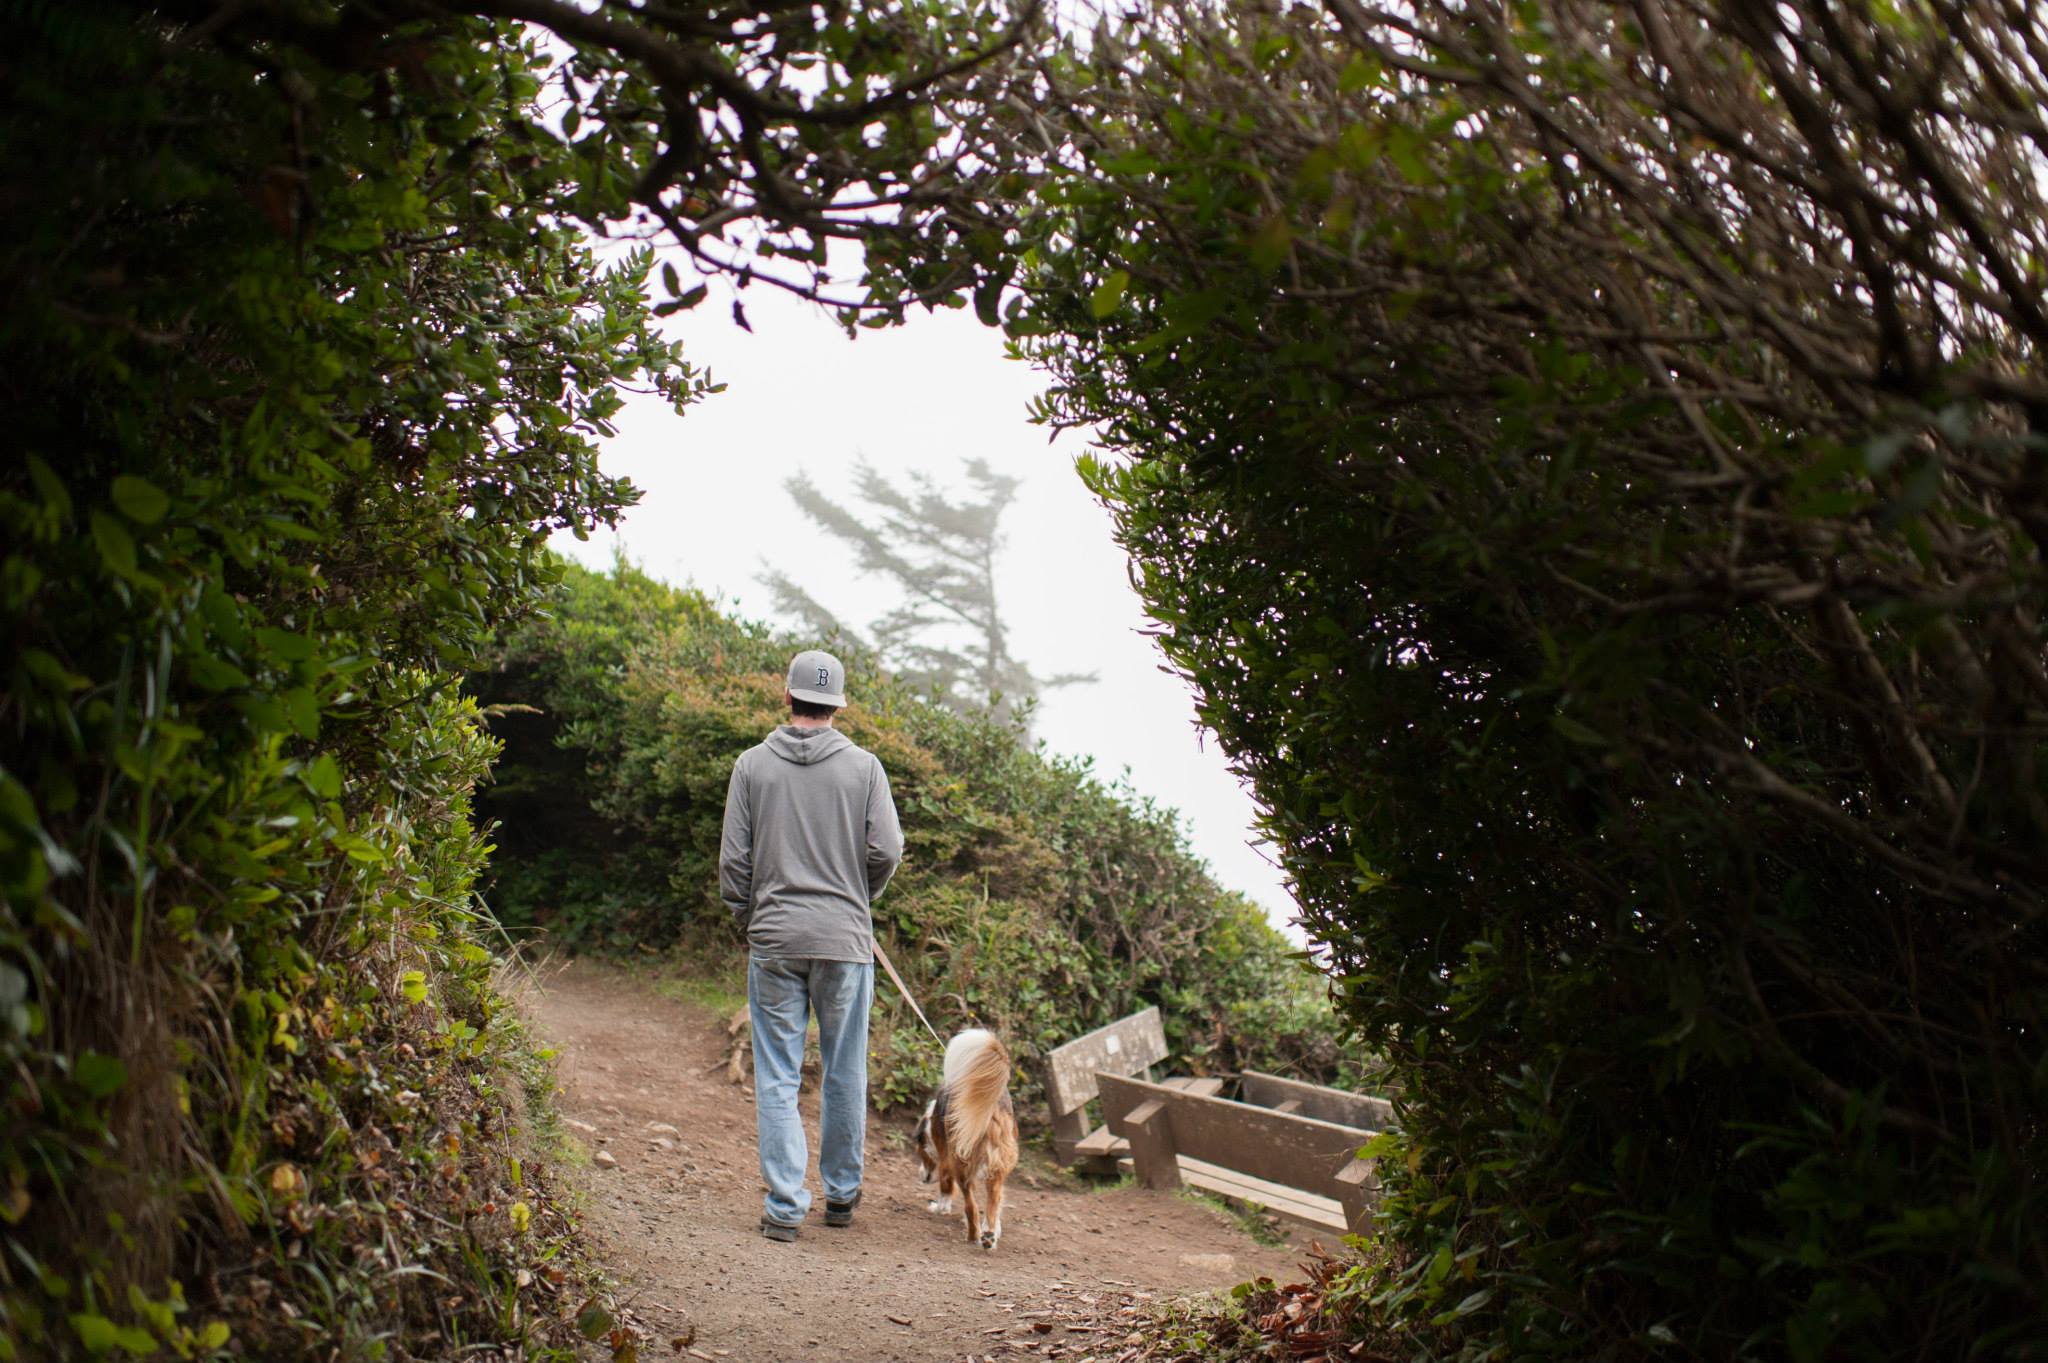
x,y
593,1322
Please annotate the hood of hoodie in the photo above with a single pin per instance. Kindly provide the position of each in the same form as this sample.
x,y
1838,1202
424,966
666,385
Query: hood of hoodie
x,y
806,747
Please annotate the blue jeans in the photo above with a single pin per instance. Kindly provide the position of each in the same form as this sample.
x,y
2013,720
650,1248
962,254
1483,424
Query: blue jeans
x,y
781,993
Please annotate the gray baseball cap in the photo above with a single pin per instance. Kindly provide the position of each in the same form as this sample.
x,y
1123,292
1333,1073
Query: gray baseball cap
x,y
818,677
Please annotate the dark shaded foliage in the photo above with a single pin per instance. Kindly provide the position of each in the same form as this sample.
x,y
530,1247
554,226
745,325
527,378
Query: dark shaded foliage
x,y
1588,458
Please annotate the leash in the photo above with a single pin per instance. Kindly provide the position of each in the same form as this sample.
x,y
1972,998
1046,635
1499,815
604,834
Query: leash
x,y
904,990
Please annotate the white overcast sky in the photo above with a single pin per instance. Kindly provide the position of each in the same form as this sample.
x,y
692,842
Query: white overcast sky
x,y
924,396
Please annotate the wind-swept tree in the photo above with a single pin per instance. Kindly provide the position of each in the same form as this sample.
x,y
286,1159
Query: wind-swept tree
x,y
946,637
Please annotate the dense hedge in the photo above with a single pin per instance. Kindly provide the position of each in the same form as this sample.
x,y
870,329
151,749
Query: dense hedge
x,y
1589,459
289,432
1032,897
304,356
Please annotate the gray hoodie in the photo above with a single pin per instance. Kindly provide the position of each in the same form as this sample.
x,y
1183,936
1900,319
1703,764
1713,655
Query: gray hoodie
x,y
811,838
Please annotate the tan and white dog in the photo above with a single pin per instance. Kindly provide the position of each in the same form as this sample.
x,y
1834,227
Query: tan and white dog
x,y
967,1137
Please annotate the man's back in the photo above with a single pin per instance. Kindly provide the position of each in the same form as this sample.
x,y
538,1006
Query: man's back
x,y
811,837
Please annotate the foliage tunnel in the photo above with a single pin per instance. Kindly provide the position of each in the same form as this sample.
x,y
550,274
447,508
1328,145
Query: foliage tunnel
x,y
1586,454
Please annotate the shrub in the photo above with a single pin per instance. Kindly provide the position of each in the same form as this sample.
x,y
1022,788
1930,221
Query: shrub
x,y
1032,897
290,432
1588,458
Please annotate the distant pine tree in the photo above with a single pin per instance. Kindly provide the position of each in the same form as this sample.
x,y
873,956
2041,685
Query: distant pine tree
x,y
947,637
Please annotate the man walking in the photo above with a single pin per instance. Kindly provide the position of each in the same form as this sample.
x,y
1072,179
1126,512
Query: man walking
x,y
811,837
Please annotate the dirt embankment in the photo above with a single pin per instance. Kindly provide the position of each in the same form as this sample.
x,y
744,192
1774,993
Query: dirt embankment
x,y
676,1207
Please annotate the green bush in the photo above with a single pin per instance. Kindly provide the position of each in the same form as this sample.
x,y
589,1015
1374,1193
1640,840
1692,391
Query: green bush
x,y
1588,460
301,368
1032,897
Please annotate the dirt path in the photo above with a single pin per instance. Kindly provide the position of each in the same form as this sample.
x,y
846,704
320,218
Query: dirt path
x,y
679,1225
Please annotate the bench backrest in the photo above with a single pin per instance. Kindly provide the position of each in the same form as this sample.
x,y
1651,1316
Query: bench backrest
x,y
1127,1046
1279,1147
1314,1100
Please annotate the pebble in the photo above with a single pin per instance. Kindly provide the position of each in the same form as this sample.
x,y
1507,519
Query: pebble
x,y
604,1159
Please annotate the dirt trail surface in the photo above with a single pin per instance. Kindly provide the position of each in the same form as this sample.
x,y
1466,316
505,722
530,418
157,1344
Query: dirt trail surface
x,y
677,1216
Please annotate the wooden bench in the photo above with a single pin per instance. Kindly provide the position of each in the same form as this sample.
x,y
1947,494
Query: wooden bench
x,y
1297,1165
1127,1046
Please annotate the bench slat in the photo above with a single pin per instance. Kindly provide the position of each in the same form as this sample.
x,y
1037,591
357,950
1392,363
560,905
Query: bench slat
x,y
1101,1142
1214,1178
1324,1104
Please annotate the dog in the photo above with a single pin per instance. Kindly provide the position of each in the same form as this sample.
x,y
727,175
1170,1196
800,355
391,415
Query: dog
x,y
968,1134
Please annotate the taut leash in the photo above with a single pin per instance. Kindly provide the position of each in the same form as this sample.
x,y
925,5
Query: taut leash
x,y
904,990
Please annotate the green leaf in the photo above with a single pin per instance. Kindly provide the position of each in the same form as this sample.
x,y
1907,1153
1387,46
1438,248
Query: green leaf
x,y
282,643
323,777
1361,144
1382,1144
302,710
1404,149
136,1340
99,1075
1577,732
55,497
1109,293
988,298
1473,1302
413,984
1882,451
45,668
1270,243
95,1332
682,302
140,501
117,548
1358,73
214,674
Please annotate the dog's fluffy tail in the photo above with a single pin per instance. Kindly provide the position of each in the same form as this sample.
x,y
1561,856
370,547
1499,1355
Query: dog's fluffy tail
x,y
977,1077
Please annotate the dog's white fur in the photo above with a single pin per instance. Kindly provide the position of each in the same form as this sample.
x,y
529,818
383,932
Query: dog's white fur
x,y
962,1049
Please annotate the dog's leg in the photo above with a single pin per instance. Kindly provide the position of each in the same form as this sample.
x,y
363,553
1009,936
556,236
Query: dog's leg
x,y
994,1232
973,1217
943,1203
922,1137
